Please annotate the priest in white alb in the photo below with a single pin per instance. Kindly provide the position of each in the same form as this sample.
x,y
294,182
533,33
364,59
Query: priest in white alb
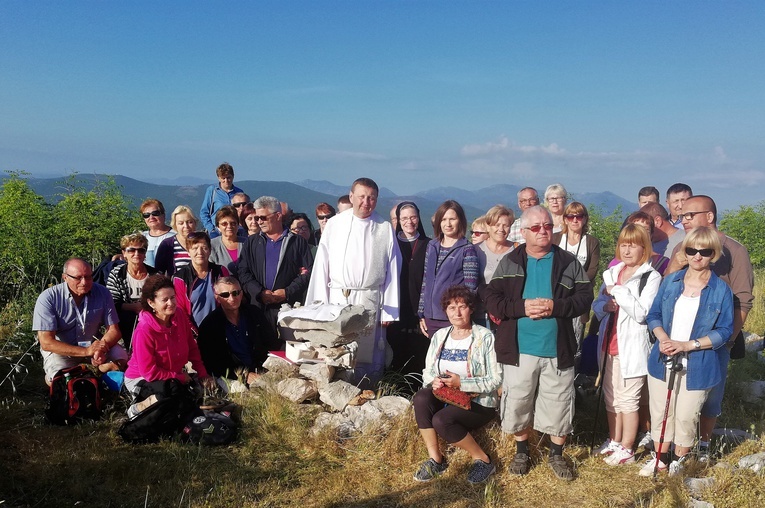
x,y
358,262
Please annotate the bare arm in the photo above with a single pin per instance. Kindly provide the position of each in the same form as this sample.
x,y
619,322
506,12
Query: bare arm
x,y
49,343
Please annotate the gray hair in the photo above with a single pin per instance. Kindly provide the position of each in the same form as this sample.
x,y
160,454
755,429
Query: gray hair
x,y
270,203
533,210
536,193
228,280
241,194
555,188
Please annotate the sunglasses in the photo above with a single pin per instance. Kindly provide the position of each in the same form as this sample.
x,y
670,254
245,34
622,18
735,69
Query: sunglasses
x,y
139,250
478,233
537,227
263,218
233,293
239,205
578,216
155,213
705,253
324,217
298,229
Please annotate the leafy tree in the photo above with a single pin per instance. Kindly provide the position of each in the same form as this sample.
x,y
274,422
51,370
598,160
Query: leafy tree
x,y
605,228
747,225
90,223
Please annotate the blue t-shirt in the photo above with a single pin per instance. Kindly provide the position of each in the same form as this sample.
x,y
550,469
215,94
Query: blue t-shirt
x,y
239,341
538,337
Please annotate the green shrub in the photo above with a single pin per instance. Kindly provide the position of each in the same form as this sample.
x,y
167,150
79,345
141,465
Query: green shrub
x,y
747,225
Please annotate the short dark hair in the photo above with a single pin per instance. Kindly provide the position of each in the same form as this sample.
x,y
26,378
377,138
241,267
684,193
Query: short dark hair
x,y
447,205
227,211
677,188
649,191
655,210
641,216
344,200
152,286
458,293
366,182
198,237
225,169
292,217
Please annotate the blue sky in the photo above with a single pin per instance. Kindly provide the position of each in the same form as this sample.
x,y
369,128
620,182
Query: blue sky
x,y
415,94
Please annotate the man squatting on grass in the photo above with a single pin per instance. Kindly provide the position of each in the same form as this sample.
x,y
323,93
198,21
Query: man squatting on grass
x,y
535,341
68,317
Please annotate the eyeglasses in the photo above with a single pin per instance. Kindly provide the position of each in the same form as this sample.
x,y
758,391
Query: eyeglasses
x,y
691,215
228,224
530,201
324,217
155,213
139,250
578,216
263,218
298,229
409,219
537,227
233,293
81,277
556,198
705,253
239,205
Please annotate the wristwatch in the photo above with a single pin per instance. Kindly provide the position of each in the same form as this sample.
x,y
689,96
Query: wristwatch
x,y
697,344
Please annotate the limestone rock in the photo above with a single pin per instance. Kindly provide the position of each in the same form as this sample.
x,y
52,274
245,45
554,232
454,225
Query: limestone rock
x,y
324,338
336,421
364,417
723,466
297,390
337,319
753,342
391,405
755,462
695,503
338,394
697,486
280,366
319,372
341,356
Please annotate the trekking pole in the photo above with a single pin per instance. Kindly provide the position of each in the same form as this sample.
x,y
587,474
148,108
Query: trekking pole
x,y
601,374
675,367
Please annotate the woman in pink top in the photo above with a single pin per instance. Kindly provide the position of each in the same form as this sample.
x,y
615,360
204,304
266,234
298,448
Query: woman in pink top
x,y
162,341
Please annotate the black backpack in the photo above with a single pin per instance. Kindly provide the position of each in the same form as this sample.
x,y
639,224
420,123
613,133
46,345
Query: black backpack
x,y
211,428
170,405
74,396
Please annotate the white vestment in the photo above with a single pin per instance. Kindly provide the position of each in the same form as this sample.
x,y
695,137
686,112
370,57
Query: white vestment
x,y
358,262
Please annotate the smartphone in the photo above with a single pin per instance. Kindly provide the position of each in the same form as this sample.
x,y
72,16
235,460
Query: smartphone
x,y
444,376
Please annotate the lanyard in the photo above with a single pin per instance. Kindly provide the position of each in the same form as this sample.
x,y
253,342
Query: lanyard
x,y
81,315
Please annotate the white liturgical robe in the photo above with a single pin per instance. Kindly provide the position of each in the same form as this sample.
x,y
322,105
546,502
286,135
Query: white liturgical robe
x,y
358,262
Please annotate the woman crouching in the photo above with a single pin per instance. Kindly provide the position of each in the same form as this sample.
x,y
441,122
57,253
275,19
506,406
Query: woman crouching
x,y
461,356
162,341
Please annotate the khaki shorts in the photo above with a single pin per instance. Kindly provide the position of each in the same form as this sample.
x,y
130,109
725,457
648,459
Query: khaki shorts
x,y
536,394
620,395
684,410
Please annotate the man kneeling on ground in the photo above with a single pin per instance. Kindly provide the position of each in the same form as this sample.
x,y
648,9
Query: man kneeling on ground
x,y
68,318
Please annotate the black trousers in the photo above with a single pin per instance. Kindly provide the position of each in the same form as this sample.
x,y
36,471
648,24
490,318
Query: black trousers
x,y
450,422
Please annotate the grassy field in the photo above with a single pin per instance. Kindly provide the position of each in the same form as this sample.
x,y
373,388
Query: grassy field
x,y
276,462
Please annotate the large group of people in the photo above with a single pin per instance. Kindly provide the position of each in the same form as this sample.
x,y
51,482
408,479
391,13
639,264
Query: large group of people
x,y
491,318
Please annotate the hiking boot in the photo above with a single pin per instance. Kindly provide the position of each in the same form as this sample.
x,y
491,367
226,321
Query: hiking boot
x,y
648,467
480,471
620,457
560,467
520,464
607,448
430,469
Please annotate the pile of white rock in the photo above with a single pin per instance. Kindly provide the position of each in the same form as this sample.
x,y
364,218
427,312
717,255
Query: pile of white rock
x,y
320,356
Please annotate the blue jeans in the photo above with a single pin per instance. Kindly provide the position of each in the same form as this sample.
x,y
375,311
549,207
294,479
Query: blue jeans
x,y
713,406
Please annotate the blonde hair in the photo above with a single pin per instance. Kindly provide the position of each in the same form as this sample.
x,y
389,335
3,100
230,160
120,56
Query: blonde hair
x,y
132,239
496,212
555,188
183,209
637,235
479,224
703,237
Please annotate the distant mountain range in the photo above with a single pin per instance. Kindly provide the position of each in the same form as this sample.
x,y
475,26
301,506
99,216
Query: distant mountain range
x,y
305,195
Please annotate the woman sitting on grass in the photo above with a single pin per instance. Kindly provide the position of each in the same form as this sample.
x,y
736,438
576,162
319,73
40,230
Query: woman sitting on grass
x,y
460,356
162,341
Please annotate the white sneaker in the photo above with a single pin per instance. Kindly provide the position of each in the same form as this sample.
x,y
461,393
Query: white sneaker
x,y
607,448
644,441
620,457
676,466
648,467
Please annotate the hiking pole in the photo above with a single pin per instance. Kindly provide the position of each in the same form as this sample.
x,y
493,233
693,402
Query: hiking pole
x,y
601,374
675,367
